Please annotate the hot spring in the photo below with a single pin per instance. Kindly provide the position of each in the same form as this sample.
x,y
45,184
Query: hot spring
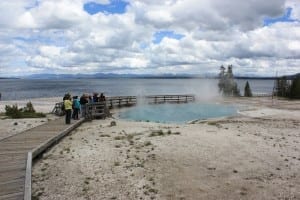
x,y
178,113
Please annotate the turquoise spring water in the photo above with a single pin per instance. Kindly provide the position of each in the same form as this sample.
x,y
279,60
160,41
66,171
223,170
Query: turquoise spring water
x,y
178,113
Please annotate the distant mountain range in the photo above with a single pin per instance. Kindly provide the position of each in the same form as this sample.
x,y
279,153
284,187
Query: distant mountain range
x,y
149,76
112,75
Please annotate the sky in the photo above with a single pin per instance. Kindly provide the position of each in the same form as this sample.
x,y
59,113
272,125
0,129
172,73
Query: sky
x,y
259,38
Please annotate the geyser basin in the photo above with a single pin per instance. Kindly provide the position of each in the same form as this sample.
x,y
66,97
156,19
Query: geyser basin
x,y
177,113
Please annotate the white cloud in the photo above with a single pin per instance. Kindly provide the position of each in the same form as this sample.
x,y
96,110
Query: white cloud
x,y
61,14
105,2
59,36
10,11
295,5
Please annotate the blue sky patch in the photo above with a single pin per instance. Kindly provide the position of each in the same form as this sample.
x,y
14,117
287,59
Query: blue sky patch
x,y
285,18
115,7
158,36
143,45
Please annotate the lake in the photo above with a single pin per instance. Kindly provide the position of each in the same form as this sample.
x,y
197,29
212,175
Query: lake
x,y
16,89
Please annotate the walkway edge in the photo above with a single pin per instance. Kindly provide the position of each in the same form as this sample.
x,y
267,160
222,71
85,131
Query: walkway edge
x,y
38,150
27,188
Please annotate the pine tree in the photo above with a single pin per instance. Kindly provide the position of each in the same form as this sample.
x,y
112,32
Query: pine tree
x,y
221,83
227,85
247,91
295,88
283,87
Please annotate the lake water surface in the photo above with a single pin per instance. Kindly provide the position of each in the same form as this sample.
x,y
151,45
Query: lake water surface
x,y
16,89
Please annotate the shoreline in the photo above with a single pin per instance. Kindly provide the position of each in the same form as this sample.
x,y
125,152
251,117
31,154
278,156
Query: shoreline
x,y
10,127
44,105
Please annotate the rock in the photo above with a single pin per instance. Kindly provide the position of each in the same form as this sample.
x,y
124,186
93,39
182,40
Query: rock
x,y
16,123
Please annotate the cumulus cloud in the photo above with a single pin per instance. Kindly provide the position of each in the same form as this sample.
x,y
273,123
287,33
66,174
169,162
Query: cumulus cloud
x,y
294,4
61,37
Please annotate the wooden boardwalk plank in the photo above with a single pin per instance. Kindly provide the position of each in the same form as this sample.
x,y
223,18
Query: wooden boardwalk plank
x,y
21,148
12,167
12,175
14,196
32,134
12,162
15,152
12,186
13,156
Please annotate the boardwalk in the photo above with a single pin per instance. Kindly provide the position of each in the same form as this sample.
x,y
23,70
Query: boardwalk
x,y
14,151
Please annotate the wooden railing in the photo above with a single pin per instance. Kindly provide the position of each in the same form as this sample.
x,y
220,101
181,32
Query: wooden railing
x,y
101,109
120,101
154,99
57,110
96,110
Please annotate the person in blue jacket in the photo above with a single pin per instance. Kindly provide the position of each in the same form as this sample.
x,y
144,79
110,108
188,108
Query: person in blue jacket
x,y
76,108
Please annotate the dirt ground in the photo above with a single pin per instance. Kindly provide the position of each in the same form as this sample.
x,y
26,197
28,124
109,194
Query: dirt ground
x,y
255,155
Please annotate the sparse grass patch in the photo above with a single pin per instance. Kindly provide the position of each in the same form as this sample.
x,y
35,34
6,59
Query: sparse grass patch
x,y
38,194
147,143
151,179
104,135
152,190
43,169
123,137
156,133
161,133
130,136
212,123
120,137
67,149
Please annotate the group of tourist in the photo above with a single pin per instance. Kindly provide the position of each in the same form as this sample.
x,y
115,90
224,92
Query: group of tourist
x,y
78,106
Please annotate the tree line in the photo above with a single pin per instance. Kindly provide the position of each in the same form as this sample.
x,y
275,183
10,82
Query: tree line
x,y
288,87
